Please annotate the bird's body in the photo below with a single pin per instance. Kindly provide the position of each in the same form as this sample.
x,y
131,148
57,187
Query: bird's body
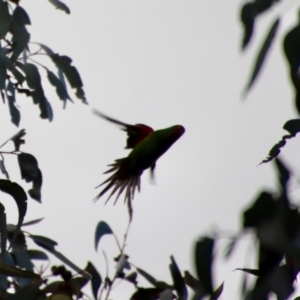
x,y
147,146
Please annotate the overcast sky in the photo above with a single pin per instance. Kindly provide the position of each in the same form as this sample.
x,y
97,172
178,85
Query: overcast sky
x,y
160,63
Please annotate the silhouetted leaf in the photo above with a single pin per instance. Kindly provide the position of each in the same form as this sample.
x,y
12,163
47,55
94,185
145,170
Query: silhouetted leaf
x,y
35,191
293,127
36,221
60,87
65,260
191,281
217,293
37,254
63,63
3,73
3,232
14,112
5,19
16,238
132,278
101,229
17,139
28,166
178,280
230,246
17,192
3,169
33,80
262,54
96,280
247,17
146,294
20,34
60,5
43,241
283,174
23,260
262,210
249,271
10,270
203,261
147,276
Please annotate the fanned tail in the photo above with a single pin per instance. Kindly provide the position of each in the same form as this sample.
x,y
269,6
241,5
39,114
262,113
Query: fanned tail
x,y
121,180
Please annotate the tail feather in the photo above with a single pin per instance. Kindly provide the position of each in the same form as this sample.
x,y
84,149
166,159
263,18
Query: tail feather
x,y
121,180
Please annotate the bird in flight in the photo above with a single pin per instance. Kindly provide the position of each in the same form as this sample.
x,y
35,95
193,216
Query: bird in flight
x,y
147,147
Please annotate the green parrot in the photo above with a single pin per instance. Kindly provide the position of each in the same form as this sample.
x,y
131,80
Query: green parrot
x,y
147,147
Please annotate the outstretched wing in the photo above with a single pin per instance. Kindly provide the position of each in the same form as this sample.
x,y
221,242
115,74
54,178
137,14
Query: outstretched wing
x,y
135,133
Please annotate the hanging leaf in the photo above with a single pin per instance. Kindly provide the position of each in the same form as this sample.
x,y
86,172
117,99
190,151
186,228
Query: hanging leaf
x,y
203,261
33,80
17,192
5,19
17,139
20,35
14,112
3,169
60,87
30,172
101,230
178,280
60,5
96,280
230,247
262,54
63,63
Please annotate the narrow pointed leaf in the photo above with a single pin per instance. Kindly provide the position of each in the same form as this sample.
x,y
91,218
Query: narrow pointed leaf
x,y
16,272
203,260
96,280
147,276
262,54
32,222
14,112
101,230
217,293
43,241
3,169
178,280
249,271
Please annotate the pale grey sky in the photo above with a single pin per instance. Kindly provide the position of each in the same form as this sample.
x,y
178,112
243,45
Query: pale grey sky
x,y
160,63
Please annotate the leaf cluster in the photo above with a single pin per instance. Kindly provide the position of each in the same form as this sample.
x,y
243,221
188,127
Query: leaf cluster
x,y
20,66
